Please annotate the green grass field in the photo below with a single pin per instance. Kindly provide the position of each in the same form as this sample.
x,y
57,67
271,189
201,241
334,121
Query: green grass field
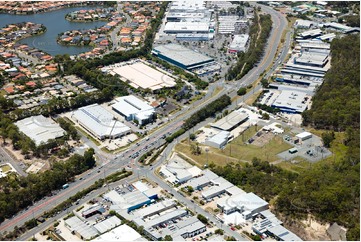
x,y
237,150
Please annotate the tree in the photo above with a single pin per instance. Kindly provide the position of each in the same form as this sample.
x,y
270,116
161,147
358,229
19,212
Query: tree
x,y
192,136
242,91
327,138
265,116
264,83
168,238
195,149
219,231
202,218
89,158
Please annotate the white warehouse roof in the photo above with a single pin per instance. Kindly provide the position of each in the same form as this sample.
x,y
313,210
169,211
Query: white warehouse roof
x,y
231,120
181,27
100,121
239,42
131,105
40,129
121,233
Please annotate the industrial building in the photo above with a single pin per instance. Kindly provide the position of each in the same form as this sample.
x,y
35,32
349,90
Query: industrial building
x,y
80,228
231,121
291,102
107,224
239,43
248,204
202,181
303,24
155,208
40,129
299,80
181,56
185,229
187,28
121,233
128,201
304,136
229,24
219,140
312,59
178,171
140,75
310,34
219,186
95,209
133,108
270,225
100,122
282,234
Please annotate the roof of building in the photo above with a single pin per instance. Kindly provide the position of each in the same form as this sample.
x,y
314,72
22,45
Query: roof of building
x,y
186,27
182,55
303,135
300,23
92,209
140,186
222,186
283,233
239,41
86,231
40,129
198,181
127,200
141,75
107,224
185,226
235,190
312,58
291,100
131,105
312,32
153,208
121,233
166,217
247,201
220,138
231,120
100,121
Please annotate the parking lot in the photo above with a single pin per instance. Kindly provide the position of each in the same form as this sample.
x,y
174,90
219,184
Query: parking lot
x,y
311,149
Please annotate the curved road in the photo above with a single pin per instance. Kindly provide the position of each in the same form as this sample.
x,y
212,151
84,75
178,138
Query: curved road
x,y
153,140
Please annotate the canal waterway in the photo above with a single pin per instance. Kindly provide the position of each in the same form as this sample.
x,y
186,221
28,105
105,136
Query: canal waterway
x,y
55,24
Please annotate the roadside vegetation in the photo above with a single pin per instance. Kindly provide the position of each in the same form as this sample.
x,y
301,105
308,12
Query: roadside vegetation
x,y
259,33
17,193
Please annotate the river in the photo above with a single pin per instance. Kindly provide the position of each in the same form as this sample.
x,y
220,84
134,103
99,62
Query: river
x,y
55,23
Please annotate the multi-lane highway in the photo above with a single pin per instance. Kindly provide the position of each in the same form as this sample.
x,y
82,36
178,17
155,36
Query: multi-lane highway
x,y
125,159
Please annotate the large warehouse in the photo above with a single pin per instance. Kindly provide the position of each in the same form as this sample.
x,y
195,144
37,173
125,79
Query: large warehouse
x,y
40,129
140,75
181,56
100,122
133,108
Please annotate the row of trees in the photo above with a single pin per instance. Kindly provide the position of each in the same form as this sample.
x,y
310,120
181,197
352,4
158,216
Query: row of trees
x,y
259,36
16,193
